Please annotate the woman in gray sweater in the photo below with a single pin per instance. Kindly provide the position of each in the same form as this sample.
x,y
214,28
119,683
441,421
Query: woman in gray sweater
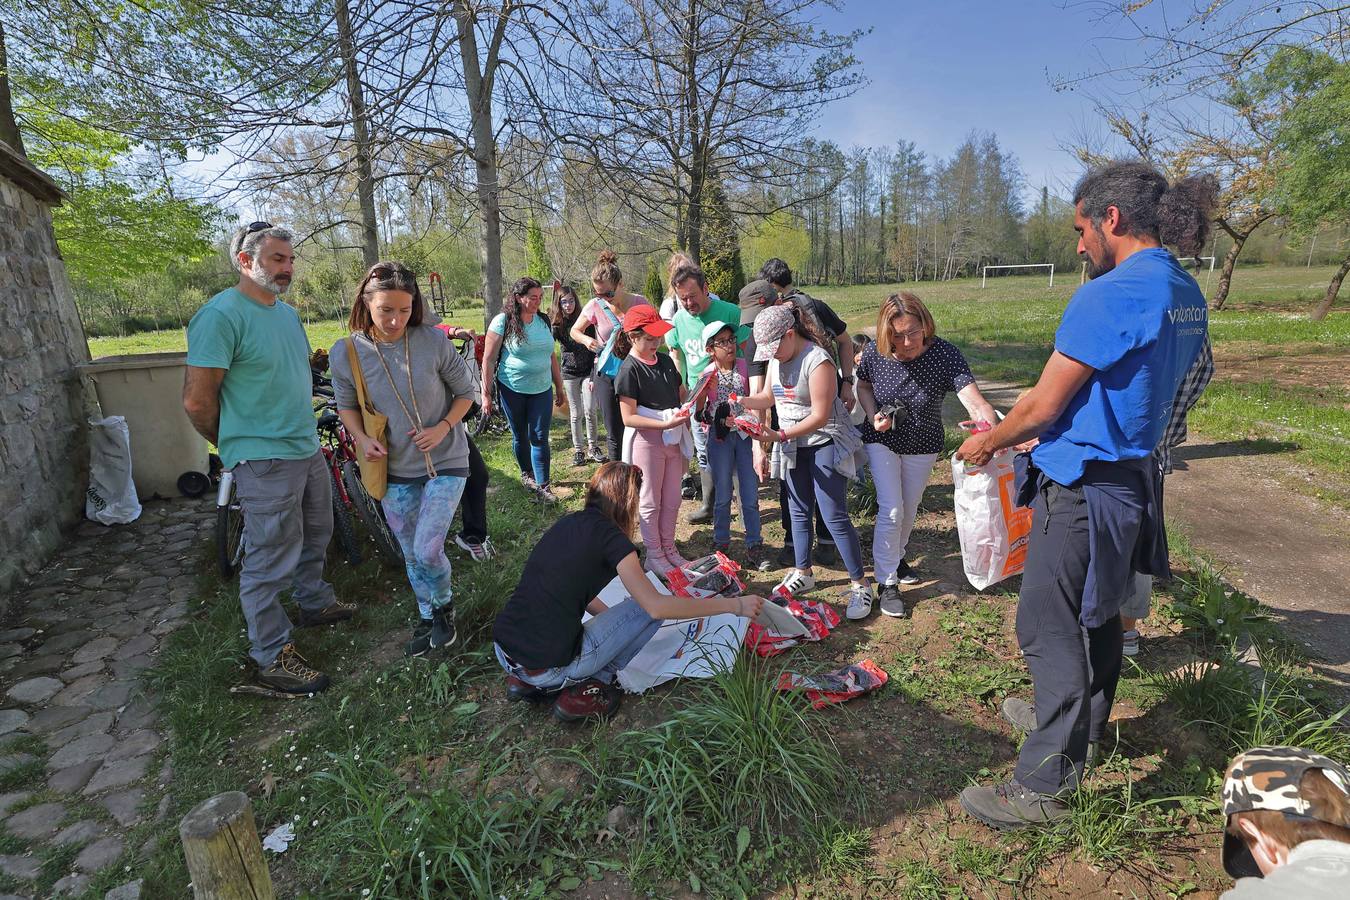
x,y
412,375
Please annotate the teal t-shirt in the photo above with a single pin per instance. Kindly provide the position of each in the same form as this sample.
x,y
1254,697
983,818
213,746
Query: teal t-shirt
x,y
266,397
527,367
687,336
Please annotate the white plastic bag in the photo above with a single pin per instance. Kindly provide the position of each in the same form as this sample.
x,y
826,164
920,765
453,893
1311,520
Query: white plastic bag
x,y
993,532
681,648
111,498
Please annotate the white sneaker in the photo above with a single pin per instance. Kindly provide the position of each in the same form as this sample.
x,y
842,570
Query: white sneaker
x,y
797,582
859,602
479,552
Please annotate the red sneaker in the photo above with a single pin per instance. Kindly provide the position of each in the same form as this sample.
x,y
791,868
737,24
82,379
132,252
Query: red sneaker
x,y
589,700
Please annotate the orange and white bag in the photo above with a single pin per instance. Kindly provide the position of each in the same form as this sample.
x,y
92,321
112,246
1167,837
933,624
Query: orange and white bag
x,y
994,531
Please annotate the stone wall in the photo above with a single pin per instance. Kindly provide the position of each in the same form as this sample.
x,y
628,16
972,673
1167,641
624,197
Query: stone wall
x,y
44,451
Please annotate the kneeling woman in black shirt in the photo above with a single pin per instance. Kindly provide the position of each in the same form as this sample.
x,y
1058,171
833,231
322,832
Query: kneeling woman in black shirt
x,y
539,637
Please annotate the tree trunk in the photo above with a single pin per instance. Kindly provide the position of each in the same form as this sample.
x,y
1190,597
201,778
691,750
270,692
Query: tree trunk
x,y
1239,236
1332,290
365,179
483,148
9,128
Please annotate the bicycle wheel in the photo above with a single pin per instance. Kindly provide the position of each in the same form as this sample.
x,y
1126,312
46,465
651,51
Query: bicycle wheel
x,y
344,530
371,514
229,529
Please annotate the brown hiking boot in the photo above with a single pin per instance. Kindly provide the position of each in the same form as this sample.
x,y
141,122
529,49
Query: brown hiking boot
x,y
290,674
337,611
589,700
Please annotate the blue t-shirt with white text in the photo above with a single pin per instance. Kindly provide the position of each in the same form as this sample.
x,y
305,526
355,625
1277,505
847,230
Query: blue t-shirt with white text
x,y
1139,326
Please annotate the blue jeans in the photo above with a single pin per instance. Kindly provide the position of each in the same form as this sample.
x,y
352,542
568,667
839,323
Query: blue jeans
x,y
529,416
609,642
727,458
420,516
813,480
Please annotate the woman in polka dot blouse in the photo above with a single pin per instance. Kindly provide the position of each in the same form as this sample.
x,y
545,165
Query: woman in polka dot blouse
x,y
902,379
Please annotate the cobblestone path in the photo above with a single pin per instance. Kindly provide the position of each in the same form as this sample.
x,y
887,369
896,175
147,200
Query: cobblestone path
x,y
82,758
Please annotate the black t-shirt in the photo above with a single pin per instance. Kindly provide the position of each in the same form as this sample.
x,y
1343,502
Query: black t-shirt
x,y
917,386
540,626
577,360
825,318
656,386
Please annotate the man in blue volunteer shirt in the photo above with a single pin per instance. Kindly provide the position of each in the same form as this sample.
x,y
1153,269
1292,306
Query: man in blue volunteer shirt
x,y
1124,343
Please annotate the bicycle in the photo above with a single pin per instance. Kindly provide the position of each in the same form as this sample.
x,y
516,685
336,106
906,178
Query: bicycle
x,y
349,492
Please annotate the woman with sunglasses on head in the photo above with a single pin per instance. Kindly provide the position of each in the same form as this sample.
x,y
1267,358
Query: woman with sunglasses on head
x,y
817,441
605,311
902,379
657,438
539,638
529,381
413,375
578,365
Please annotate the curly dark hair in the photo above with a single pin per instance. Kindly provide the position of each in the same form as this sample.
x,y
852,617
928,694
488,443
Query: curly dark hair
x,y
515,328
1178,215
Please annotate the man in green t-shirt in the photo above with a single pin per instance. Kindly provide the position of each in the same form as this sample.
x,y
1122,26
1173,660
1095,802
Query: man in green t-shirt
x,y
249,391
697,310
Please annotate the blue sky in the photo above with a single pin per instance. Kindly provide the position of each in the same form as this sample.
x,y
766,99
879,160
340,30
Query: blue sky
x,y
939,68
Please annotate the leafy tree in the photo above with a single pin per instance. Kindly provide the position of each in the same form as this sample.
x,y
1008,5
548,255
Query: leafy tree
x,y
779,234
536,257
721,247
1313,139
656,287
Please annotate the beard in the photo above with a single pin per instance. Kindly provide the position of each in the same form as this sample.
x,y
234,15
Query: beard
x,y
1098,267
276,284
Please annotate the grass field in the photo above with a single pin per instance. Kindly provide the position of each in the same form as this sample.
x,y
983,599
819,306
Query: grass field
x,y
418,778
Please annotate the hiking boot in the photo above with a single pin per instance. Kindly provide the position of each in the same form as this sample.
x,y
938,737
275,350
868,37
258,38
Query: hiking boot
x,y
545,494
905,575
527,481
723,547
290,674
591,699
479,551
892,602
827,554
518,689
1019,714
1130,646
337,611
578,458
421,639
859,602
757,558
597,455
1010,805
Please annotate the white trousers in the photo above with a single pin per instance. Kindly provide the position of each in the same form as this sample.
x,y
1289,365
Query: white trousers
x,y
900,481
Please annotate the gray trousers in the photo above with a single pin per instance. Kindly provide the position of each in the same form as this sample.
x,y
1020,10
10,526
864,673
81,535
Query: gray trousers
x,y
288,521
1074,669
581,412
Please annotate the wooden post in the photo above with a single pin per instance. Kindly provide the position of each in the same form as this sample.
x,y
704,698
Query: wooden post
x,y
224,856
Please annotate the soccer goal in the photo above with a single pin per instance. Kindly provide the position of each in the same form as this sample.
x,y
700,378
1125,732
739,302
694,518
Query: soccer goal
x,y
1200,259
984,271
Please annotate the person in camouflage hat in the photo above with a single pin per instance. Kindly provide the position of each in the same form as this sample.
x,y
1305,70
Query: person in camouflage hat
x,y
1288,831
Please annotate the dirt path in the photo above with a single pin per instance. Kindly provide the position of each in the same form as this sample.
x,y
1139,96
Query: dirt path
x,y
1288,550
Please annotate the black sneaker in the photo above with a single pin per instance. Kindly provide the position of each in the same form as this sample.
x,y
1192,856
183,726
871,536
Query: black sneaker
x,y
578,458
290,674
723,548
442,627
757,558
787,556
597,455
905,575
337,611
892,602
826,554
421,639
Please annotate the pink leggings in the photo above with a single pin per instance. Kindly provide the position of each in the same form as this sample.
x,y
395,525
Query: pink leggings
x,y
662,468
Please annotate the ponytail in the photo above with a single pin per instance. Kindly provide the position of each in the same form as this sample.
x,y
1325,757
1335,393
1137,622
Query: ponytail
x,y
606,270
1178,215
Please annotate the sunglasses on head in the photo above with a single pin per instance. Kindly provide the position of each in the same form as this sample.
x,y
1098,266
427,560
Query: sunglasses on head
x,y
257,226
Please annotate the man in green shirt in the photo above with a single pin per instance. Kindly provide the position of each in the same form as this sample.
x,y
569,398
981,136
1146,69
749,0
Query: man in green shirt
x,y
249,391
697,310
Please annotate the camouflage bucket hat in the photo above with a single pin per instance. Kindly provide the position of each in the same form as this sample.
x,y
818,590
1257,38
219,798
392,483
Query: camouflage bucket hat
x,y
1269,778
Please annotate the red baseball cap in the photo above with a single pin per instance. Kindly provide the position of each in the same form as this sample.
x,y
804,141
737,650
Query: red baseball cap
x,y
643,317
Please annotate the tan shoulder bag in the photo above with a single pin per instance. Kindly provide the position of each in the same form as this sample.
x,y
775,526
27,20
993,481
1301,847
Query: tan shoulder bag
x,y
374,472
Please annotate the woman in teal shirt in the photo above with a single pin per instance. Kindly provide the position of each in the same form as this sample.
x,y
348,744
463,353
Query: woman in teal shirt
x,y
529,382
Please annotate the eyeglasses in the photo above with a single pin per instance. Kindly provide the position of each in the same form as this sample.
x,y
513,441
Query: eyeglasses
x,y
725,342
906,336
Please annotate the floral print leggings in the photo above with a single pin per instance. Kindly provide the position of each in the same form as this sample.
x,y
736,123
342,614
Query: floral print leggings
x,y
420,515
